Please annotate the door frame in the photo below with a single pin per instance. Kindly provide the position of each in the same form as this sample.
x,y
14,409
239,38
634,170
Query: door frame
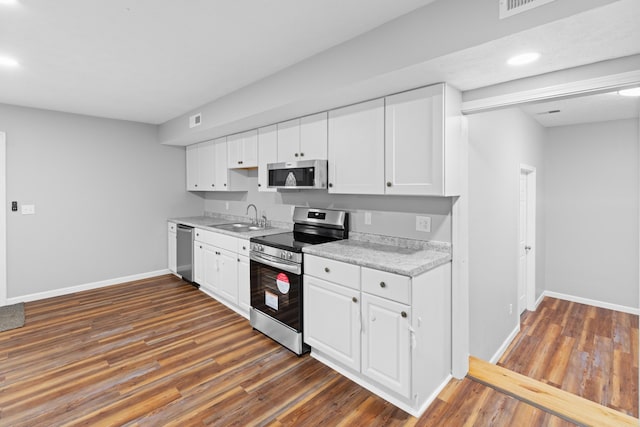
x,y
530,285
3,219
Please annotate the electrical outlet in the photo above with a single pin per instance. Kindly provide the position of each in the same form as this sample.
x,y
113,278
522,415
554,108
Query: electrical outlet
x,y
510,308
14,206
367,218
423,223
28,209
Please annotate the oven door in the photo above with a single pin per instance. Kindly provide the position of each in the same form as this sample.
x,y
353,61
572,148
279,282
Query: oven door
x,y
276,289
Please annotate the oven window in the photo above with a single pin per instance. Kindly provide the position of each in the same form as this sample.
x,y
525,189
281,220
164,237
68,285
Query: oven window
x,y
294,177
277,293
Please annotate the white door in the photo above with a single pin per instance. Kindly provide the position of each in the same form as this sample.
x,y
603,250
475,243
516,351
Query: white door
x,y
198,262
386,352
289,141
526,239
3,220
522,245
192,167
356,149
210,268
332,320
228,275
234,151
313,137
206,166
220,168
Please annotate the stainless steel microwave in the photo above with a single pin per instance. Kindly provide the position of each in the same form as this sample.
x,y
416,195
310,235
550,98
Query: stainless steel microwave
x,y
302,175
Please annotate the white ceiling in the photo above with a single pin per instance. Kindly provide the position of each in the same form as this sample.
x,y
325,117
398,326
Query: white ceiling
x,y
585,109
151,60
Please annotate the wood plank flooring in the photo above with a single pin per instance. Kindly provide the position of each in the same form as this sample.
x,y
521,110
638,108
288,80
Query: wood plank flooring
x,y
588,351
547,397
158,352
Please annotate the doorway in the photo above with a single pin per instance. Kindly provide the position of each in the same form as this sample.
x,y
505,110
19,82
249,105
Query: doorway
x,y
526,290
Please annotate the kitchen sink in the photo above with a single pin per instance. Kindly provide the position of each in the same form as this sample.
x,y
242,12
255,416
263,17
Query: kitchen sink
x,y
240,227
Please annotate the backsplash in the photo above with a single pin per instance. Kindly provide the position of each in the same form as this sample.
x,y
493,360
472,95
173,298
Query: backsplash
x,y
390,215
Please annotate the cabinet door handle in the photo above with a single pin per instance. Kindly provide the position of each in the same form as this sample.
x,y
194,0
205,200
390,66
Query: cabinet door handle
x,y
388,183
383,285
403,314
301,154
296,154
259,185
197,234
354,299
244,248
238,259
200,246
225,184
196,185
239,162
326,269
213,185
330,185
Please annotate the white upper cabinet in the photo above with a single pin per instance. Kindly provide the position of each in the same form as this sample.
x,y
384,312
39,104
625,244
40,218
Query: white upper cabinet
x,y
267,153
200,166
192,167
243,150
303,139
422,138
356,149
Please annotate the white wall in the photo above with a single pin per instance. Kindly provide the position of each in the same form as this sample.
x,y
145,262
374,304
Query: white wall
x,y
499,142
102,189
592,211
391,215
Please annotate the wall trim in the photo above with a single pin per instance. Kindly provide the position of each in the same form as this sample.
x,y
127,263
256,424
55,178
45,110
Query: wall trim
x,y
571,89
3,219
86,286
507,342
595,303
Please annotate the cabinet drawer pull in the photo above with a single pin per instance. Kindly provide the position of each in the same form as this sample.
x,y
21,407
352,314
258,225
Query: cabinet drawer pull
x,y
301,154
383,285
354,299
213,185
403,314
196,185
244,248
326,269
239,162
388,183
225,184
200,246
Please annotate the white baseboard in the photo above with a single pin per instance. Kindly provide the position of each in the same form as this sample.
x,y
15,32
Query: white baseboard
x,y
539,300
595,303
498,354
85,287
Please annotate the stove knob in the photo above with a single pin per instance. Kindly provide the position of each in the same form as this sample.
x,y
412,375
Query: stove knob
x,y
283,255
290,255
261,248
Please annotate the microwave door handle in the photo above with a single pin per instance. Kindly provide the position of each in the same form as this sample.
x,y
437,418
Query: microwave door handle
x,y
291,268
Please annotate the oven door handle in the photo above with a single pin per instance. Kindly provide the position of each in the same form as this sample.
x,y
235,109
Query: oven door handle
x,y
289,267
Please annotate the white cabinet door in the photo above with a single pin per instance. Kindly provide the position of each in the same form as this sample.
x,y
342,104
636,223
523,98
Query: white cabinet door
x,y
289,140
172,245
192,167
356,149
242,150
332,320
227,274
210,268
244,292
206,166
414,142
386,352
313,137
221,171
267,153
198,262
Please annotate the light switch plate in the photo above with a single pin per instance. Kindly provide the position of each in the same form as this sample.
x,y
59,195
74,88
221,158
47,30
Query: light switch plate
x,y
28,209
367,218
423,223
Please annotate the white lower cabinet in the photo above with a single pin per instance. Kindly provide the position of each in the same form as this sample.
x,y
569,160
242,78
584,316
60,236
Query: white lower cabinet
x,y
389,333
386,355
221,268
332,320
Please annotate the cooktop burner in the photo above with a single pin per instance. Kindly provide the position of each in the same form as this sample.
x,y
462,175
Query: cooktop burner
x,y
291,241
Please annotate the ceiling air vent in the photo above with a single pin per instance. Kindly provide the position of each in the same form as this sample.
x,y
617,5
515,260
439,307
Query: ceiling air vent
x,y
513,7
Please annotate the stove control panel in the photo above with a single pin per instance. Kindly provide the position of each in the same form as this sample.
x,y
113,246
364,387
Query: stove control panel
x,y
276,253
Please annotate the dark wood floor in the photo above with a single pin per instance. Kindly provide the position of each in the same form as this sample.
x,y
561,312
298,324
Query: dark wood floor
x,y
158,352
588,351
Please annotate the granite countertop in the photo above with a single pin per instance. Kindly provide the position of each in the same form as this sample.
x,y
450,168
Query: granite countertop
x,y
206,223
406,260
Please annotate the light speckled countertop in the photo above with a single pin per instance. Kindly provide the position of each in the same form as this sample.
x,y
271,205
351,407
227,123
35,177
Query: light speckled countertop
x,y
206,223
408,260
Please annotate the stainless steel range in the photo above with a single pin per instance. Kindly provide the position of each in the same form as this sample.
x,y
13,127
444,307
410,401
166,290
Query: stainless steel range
x,y
276,273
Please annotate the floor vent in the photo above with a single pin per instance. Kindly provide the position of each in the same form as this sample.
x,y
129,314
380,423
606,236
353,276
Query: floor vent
x,y
513,7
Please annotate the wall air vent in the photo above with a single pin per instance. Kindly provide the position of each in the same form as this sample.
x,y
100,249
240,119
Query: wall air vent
x,y
195,120
512,7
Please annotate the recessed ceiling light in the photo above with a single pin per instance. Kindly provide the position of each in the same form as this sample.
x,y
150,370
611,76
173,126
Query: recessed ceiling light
x,y
524,58
634,91
6,61
9,2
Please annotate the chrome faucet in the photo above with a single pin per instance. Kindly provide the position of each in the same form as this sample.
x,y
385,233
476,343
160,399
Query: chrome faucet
x,y
263,220
255,219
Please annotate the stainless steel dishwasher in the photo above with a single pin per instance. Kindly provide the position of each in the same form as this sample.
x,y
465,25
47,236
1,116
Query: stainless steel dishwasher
x,y
185,252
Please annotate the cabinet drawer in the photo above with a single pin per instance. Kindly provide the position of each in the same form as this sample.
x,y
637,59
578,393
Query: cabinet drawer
x,y
243,247
332,271
386,285
172,227
223,241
